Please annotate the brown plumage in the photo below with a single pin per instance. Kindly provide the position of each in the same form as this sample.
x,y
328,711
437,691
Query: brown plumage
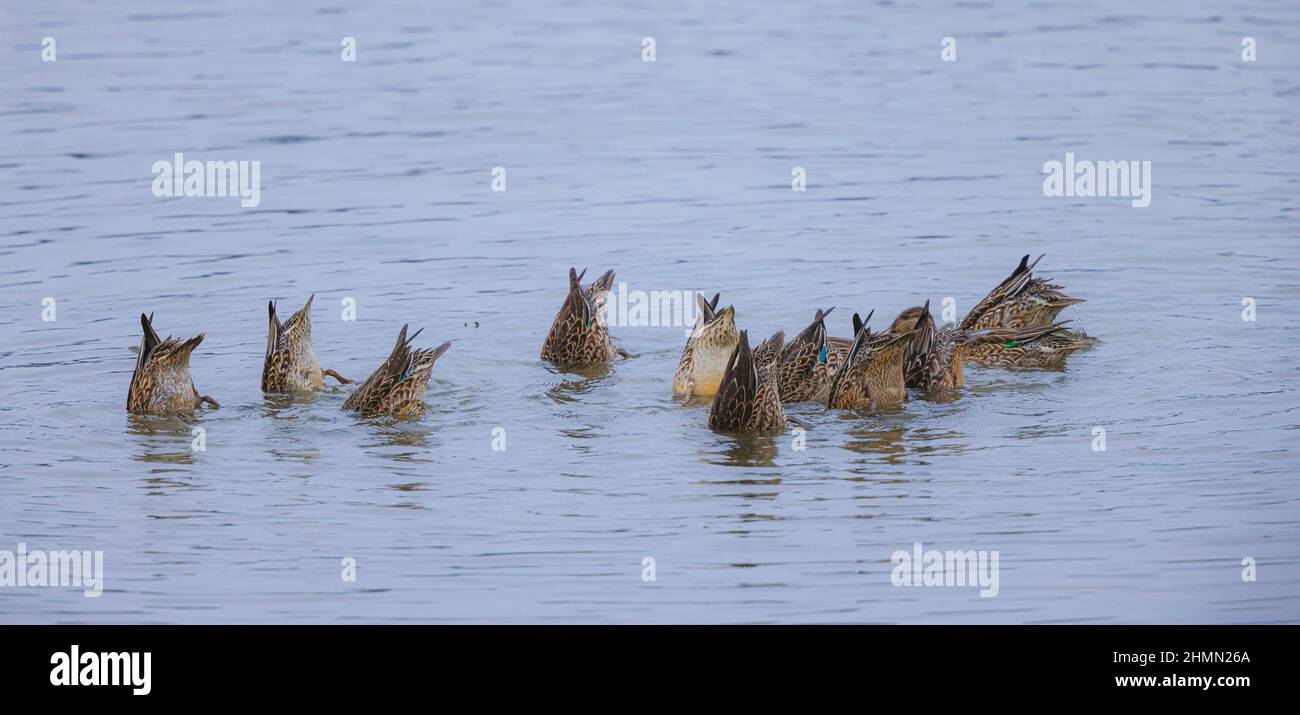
x,y
161,383
579,337
809,362
768,352
934,356
397,387
872,375
1020,301
1048,350
747,401
707,350
290,363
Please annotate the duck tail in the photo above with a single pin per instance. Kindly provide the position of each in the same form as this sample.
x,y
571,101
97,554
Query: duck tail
x,y
181,355
148,343
273,329
1008,288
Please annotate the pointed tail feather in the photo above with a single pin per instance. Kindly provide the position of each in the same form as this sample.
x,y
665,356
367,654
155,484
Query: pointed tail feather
x,y
181,356
272,330
148,343
706,309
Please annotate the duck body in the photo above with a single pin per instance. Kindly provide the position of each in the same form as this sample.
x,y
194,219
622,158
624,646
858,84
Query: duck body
x,y
1019,301
290,363
872,375
1026,302
809,362
747,401
397,387
579,336
1048,350
161,383
935,356
707,351
933,360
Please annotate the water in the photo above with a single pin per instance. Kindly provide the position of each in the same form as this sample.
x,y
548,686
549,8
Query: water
x,y
924,181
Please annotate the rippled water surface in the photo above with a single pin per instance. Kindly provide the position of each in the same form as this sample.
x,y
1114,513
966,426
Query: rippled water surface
x,y
924,182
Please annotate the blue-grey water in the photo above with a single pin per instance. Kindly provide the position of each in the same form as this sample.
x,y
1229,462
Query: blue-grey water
x,y
924,181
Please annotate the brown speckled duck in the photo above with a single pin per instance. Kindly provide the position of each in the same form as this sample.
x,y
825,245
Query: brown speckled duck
x,y
161,383
579,338
934,356
290,364
747,401
872,375
397,387
810,361
707,351
1048,350
1023,301
1020,301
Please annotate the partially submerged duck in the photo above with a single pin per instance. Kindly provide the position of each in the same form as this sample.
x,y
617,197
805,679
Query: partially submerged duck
x,y
810,361
1048,350
397,387
747,401
290,364
579,338
872,375
1023,301
1020,301
707,351
934,356
161,383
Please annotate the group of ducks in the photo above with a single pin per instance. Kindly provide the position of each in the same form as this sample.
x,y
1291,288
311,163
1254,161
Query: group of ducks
x,y
161,383
1014,325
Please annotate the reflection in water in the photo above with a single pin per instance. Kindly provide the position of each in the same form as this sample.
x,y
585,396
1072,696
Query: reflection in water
x,y
278,405
410,487
303,456
163,440
901,445
888,444
288,411
408,435
159,486
943,396
748,451
580,438
568,391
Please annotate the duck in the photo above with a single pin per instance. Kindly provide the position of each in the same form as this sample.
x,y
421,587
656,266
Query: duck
x,y
1047,350
397,387
872,374
707,351
810,361
934,355
161,383
1024,301
1020,301
747,401
290,364
579,337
